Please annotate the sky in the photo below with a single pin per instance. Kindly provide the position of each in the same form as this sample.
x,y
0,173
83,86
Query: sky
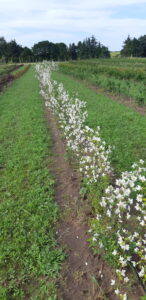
x,y
68,21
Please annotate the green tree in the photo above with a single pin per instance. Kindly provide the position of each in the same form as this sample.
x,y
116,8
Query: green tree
x,y
3,48
142,46
104,52
90,48
62,51
26,55
127,47
93,47
46,50
135,47
72,51
54,52
41,51
13,51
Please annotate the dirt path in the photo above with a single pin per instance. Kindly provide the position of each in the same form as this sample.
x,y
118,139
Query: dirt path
x,y
84,276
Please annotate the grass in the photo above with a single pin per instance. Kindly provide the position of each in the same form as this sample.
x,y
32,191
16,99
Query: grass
x,y
29,256
121,127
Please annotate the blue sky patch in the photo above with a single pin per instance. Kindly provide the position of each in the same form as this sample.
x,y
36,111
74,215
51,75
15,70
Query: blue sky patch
x,y
134,11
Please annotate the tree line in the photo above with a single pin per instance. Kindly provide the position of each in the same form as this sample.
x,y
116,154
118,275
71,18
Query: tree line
x,y
45,50
134,47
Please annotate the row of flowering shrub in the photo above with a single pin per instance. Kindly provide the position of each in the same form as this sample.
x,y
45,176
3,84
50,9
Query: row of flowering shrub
x,y
120,216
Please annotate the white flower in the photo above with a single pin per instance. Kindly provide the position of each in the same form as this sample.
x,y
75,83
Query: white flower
x,y
128,216
142,178
117,292
139,198
138,188
122,261
98,216
113,282
135,234
123,272
108,213
141,273
124,297
114,252
134,263
126,279
136,250
142,223
125,247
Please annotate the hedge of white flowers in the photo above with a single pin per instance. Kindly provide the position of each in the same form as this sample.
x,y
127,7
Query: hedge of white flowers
x,y
121,211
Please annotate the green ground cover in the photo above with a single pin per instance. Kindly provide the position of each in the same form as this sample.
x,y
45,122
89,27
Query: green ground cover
x,y
29,257
128,80
121,127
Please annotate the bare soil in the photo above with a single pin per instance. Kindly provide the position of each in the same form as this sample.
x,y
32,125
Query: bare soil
x,y
84,276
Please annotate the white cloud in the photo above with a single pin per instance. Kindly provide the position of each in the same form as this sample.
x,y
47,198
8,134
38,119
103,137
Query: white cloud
x,y
68,21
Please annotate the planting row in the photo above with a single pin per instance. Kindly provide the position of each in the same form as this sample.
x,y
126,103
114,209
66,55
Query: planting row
x,y
120,72
126,62
119,221
111,78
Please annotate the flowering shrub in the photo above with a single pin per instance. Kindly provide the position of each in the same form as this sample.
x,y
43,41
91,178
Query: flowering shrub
x,y
119,224
83,141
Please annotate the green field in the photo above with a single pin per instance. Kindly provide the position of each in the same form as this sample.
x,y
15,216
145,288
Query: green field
x,y
29,258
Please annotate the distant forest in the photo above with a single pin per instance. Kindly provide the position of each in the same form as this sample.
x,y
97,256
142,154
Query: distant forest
x,y
134,47
45,50
89,48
